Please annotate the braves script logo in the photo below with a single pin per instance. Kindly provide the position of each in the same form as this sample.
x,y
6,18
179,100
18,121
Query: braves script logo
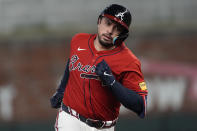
x,y
87,70
121,14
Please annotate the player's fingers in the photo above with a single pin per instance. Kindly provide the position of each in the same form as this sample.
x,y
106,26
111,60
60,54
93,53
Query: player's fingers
x,y
99,71
99,66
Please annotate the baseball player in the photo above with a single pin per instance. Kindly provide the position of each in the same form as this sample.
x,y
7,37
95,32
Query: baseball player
x,y
100,75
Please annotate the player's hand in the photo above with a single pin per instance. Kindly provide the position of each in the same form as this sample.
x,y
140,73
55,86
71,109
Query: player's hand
x,y
104,73
56,100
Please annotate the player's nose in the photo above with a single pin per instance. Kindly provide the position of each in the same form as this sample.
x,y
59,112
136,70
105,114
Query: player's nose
x,y
110,29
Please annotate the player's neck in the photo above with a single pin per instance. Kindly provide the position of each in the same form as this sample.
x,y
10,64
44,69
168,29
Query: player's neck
x,y
99,47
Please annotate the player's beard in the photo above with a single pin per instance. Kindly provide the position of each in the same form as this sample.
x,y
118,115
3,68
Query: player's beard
x,y
105,44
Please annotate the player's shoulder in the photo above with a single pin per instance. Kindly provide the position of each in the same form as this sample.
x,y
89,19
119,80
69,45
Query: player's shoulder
x,y
128,55
125,61
81,36
128,59
80,39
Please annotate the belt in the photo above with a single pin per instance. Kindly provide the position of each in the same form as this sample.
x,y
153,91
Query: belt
x,y
91,122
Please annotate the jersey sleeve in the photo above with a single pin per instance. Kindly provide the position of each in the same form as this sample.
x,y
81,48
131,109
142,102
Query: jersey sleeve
x,y
134,80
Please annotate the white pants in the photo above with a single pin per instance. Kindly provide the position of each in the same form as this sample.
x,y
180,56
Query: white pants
x,y
66,122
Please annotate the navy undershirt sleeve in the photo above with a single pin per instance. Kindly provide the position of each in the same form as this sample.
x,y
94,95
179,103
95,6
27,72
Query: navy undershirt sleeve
x,y
128,98
62,86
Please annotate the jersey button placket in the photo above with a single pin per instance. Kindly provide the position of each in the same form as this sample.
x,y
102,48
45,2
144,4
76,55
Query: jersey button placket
x,y
94,58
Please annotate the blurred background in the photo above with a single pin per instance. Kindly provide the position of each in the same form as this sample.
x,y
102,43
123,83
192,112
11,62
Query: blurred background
x,y
34,47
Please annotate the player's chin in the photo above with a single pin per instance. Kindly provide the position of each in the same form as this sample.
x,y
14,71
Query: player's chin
x,y
106,44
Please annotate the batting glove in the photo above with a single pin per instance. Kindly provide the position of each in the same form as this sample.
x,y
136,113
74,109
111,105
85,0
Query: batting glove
x,y
104,73
56,100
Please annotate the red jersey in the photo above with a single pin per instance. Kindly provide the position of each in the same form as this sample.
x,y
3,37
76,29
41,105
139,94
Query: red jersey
x,y
84,91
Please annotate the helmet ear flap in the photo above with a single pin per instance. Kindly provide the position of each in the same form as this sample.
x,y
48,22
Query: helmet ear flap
x,y
119,39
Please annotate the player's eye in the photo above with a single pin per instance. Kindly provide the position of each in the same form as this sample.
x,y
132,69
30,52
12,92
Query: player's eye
x,y
119,28
108,22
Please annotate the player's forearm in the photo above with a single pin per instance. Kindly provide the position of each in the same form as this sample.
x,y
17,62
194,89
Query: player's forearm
x,y
64,81
128,98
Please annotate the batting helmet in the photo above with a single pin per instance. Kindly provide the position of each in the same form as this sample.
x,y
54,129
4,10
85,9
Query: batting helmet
x,y
121,15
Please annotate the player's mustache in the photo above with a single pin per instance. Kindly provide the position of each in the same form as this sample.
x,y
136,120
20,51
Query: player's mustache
x,y
108,36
